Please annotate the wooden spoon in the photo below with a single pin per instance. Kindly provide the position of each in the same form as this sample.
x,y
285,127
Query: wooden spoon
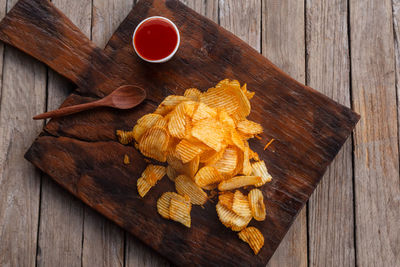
x,y
124,97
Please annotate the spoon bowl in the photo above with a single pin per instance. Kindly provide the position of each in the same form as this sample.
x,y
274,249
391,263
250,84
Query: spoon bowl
x,y
124,97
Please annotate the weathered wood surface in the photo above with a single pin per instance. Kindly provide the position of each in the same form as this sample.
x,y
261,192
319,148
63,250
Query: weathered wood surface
x,y
19,181
331,220
332,242
283,43
376,147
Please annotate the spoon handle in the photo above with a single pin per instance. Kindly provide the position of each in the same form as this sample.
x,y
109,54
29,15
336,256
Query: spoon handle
x,y
68,110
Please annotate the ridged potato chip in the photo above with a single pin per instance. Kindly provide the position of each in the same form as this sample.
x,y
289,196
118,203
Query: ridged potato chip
x,y
209,131
247,170
227,163
237,139
210,186
247,93
177,122
259,169
226,120
203,112
220,97
154,143
125,137
187,151
150,176
231,219
253,237
238,181
257,206
171,173
154,173
207,175
193,94
143,186
179,209
226,199
185,186
241,205
249,127
169,103
239,166
163,204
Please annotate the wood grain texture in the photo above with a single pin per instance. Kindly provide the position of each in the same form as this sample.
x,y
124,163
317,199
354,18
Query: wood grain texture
x,y
376,155
23,94
283,43
297,161
396,30
331,220
243,18
103,243
62,215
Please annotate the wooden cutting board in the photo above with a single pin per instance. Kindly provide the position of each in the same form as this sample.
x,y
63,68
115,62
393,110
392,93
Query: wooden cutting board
x,y
82,154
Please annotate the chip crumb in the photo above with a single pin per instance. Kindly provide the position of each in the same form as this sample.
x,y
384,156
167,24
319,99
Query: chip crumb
x,y
126,159
269,143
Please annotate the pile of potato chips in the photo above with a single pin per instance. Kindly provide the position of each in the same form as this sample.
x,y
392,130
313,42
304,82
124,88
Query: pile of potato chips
x,y
204,139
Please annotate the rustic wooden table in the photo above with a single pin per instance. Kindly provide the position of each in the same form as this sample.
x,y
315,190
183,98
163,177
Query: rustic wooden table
x,y
347,49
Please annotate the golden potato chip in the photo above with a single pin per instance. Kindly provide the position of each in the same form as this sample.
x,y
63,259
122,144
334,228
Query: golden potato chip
x,y
146,122
226,199
143,186
244,103
247,170
209,131
193,94
154,143
257,206
171,173
247,93
169,103
220,97
226,120
126,159
259,169
153,173
241,205
185,186
238,181
227,163
208,154
179,209
210,186
237,139
231,219
189,108
163,204
239,166
190,169
125,137
249,127
207,175
186,150
253,237
150,176
254,155
203,112
177,122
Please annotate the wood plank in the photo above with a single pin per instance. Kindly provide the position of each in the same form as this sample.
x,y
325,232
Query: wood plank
x,y
283,43
376,155
89,169
103,243
396,28
243,18
23,95
331,220
62,215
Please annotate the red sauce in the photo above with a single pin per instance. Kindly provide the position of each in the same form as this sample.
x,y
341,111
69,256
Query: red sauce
x,y
155,39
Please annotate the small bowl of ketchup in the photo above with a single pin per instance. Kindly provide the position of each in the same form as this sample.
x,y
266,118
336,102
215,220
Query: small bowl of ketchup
x,y
156,39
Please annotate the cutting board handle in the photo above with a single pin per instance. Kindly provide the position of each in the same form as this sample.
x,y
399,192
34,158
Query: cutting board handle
x,y
41,30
